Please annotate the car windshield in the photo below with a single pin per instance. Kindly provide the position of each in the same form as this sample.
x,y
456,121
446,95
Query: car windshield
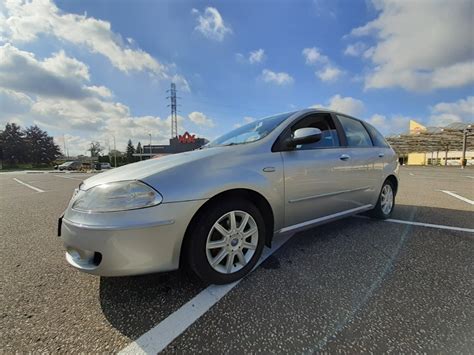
x,y
250,132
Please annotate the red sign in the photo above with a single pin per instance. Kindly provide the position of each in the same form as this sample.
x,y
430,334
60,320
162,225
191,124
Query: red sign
x,y
187,138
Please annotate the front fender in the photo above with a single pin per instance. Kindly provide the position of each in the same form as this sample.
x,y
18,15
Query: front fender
x,y
206,179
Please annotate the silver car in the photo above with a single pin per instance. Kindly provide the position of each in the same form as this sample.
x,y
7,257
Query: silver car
x,y
214,209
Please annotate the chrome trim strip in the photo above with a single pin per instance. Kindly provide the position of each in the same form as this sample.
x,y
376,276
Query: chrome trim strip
x,y
107,228
325,218
328,194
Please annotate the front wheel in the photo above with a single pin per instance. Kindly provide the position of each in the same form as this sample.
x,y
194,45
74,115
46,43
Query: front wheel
x,y
386,202
226,242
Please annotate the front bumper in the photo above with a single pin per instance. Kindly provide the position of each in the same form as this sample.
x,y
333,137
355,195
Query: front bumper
x,y
129,242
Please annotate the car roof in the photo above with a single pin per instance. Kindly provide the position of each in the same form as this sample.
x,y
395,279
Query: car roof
x,y
325,110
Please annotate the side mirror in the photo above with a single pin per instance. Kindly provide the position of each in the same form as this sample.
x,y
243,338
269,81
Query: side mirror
x,y
304,136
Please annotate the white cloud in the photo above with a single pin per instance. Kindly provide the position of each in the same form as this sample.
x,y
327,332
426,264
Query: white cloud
x,y
75,145
65,66
211,24
201,119
329,73
355,49
257,56
89,114
26,20
280,78
14,102
100,90
313,56
57,76
254,57
421,45
389,126
347,105
445,113
54,94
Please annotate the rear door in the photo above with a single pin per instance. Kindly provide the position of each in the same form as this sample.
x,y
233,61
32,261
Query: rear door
x,y
363,162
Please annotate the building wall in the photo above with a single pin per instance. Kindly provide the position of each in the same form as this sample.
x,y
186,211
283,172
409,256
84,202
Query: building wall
x,y
430,158
416,159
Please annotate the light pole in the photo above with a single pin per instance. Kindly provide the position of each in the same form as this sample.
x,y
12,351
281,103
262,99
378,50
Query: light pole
x,y
115,154
465,131
65,148
150,144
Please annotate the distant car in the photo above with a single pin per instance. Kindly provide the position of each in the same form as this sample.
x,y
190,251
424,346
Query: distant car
x,y
214,209
70,165
453,162
105,166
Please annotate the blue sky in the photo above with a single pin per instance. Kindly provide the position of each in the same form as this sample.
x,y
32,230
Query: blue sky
x,y
91,70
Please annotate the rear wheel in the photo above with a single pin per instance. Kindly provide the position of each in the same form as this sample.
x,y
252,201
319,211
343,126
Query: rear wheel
x,y
386,202
226,241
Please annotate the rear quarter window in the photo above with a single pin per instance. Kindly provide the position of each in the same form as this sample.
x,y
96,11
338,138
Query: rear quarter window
x,y
377,137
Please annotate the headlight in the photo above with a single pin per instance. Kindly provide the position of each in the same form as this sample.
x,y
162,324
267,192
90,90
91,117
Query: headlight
x,y
116,196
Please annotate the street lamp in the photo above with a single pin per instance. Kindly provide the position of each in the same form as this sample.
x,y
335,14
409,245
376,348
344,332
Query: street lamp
x,y
464,144
150,144
115,153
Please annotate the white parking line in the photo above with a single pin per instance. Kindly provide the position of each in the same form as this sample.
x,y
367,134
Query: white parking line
x,y
470,177
458,197
67,177
27,185
159,337
429,225
411,174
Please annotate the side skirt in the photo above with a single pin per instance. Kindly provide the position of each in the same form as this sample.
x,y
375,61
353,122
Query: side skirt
x,y
329,218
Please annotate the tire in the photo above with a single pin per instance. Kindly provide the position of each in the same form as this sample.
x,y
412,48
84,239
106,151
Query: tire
x,y
381,210
226,243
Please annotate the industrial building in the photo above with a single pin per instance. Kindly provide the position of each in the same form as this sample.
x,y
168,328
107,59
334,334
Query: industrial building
x,y
446,146
179,144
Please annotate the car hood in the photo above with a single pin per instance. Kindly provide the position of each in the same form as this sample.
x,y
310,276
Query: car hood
x,y
143,169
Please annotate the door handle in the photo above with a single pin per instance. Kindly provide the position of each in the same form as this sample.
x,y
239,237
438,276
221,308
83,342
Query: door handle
x,y
344,157
381,155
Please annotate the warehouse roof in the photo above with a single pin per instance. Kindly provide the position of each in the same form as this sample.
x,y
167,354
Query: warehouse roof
x,y
433,139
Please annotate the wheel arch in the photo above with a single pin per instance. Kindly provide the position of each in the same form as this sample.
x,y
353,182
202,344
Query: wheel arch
x,y
394,181
251,195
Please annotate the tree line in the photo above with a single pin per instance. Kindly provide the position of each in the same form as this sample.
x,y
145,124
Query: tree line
x,y
34,146
31,145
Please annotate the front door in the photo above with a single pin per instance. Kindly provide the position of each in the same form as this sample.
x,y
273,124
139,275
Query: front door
x,y
319,180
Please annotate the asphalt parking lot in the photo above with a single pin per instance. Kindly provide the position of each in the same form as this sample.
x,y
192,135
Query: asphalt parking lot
x,y
356,285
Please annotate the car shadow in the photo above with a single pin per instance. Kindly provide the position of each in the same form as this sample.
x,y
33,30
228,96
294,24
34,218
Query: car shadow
x,y
133,305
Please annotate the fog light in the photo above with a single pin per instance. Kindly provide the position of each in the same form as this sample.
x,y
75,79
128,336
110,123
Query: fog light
x,y
84,259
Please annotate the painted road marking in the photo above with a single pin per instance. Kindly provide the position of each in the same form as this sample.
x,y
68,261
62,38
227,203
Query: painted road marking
x,y
421,224
450,193
470,177
27,185
411,174
67,177
159,337
429,225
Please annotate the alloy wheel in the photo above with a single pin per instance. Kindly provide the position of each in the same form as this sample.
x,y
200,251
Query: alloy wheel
x,y
232,242
386,201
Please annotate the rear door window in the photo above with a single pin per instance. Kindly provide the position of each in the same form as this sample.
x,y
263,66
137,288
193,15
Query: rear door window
x,y
356,134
